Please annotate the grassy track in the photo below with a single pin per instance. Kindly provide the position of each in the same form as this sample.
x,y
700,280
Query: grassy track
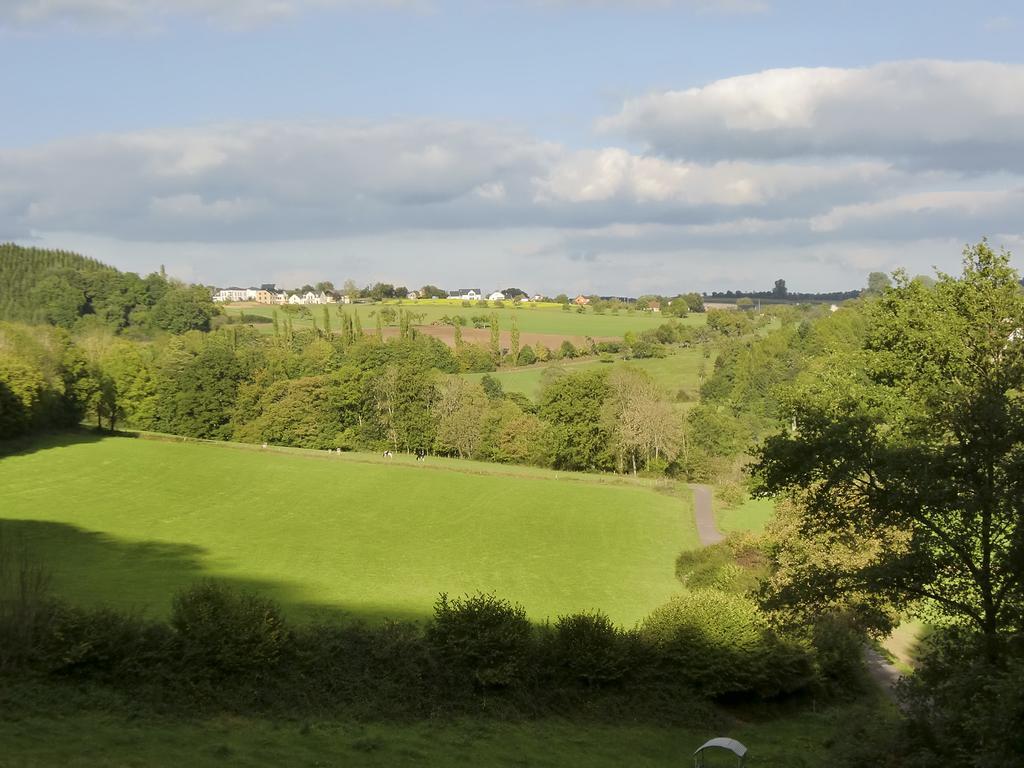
x,y
104,741
546,320
751,515
673,373
128,521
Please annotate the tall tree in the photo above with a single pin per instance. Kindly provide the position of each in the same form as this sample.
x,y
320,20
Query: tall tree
x,y
495,339
878,282
513,350
916,443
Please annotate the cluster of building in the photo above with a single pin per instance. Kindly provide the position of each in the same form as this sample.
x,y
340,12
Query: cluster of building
x,y
268,294
475,294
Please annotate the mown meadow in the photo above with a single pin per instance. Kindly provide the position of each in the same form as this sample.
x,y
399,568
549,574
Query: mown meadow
x,y
680,372
547,319
134,520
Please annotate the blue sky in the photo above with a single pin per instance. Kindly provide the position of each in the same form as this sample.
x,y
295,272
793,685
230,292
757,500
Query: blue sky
x,y
559,144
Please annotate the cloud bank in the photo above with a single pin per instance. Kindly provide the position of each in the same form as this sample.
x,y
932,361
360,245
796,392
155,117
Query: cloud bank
x,y
824,173
925,114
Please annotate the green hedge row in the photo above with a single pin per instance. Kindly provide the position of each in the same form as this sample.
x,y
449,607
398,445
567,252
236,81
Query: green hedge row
x,y
229,650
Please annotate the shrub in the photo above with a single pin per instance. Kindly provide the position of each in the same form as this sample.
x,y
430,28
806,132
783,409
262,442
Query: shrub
x,y
965,701
221,631
376,671
646,349
567,350
481,640
27,610
589,648
839,652
718,644
527,356
105,645
731,493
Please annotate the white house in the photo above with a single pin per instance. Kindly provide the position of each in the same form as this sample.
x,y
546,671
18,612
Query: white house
x,y
496,296
231,294
466,294
295,299
413,295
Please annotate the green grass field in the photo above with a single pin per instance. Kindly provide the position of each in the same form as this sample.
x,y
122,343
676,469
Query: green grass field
x,y
104,740
673,373
545,320
751,515
127,522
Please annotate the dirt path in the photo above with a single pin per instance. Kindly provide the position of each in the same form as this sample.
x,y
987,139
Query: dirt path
x,y
879,669
882,672
707,531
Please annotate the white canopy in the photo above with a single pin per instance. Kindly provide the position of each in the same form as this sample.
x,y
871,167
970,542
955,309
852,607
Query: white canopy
x,y
725,743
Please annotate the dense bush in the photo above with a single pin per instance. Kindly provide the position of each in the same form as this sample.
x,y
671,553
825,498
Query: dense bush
x,y
965,702
588,648
227,650
221,632
718,644
481,639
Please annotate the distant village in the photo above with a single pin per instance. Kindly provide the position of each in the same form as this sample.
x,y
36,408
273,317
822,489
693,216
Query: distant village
x,y
269,294
325,293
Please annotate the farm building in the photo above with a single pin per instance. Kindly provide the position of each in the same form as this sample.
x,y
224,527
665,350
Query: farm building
x,y
466,294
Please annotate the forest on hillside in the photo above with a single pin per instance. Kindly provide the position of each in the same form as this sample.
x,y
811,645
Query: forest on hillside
x,y
72,291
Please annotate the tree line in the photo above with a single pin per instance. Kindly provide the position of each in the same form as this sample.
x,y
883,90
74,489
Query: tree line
x,y
891,434
71,291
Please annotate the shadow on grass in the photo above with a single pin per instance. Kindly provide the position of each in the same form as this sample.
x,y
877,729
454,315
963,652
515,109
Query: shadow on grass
x,y
93,569
22,446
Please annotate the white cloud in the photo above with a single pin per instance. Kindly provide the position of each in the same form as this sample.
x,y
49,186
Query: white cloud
x,y
719,6
938,114
616,174
133,12
747,177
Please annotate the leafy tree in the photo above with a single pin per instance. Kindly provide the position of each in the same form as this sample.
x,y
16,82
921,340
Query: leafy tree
x,y
695,301
403,396
678,307
495,339
644,427
878,283
513,351
578,437
433,292
183,309
492,387
526,356
916,443
196,390
460,408
780,291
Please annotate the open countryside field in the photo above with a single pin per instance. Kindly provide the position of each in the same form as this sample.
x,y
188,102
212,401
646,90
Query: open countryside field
x,y
679,371
108,740
134,520
751,515
540,320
